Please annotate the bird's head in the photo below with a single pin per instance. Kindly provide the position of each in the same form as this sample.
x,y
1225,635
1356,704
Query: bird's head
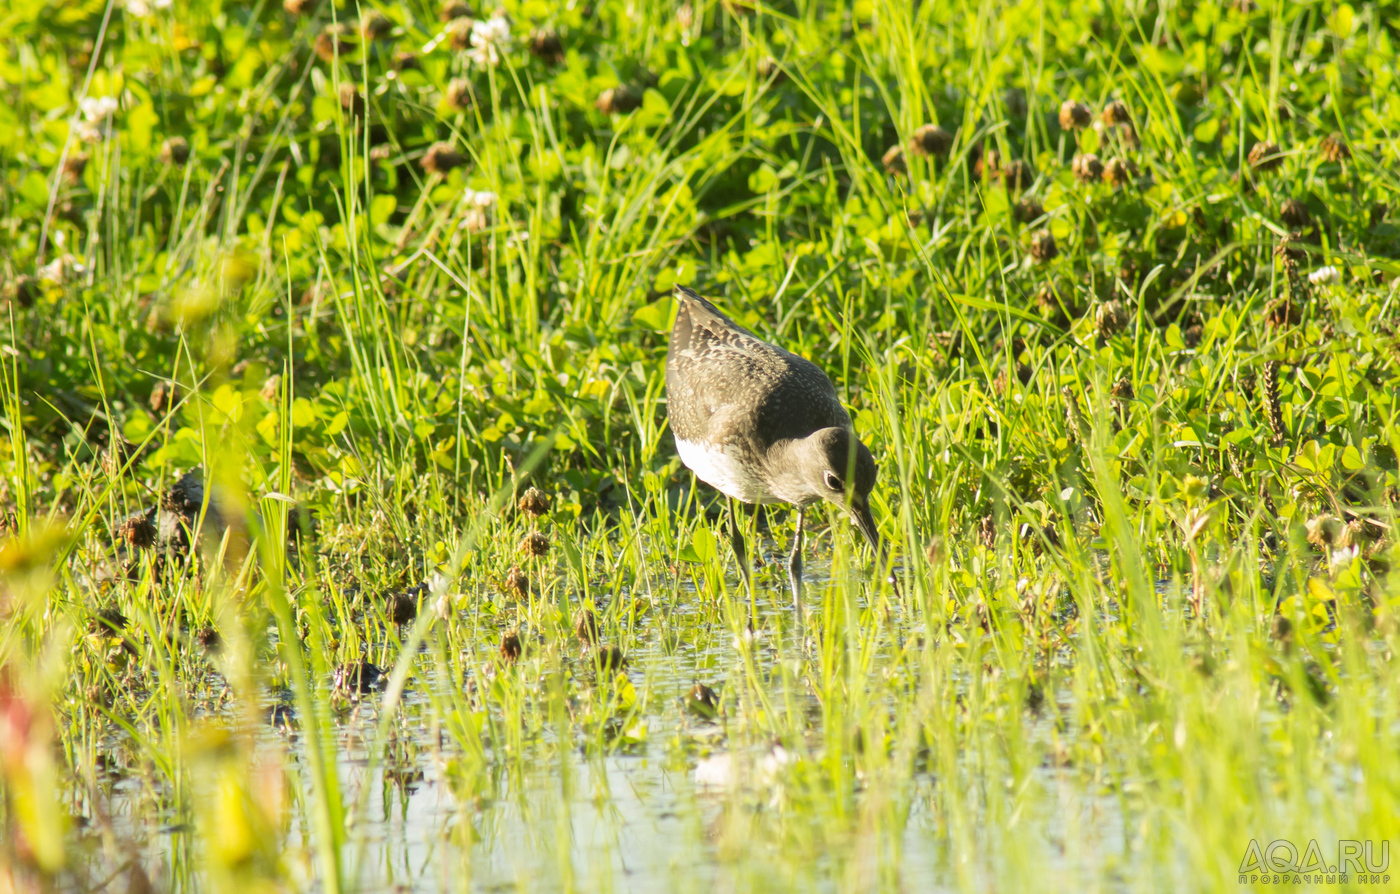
x,y
842,471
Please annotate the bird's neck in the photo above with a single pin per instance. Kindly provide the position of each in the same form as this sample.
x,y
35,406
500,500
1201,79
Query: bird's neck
x,y
783,471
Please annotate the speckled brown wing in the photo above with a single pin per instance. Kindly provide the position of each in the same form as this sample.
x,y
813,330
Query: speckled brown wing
x,y
725,384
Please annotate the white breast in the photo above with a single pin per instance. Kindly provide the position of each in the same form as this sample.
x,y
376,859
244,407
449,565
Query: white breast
x,y
719,467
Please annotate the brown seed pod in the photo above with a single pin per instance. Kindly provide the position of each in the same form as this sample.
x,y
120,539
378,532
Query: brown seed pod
x,y
455,9
1265,155
442,157
535,545
1018,175
1273,408
610,658
299,7
1283,312
546,44
23,290
1295,214
164,397
1123,389
517,583
1116,112
1119,172
586,625
1028,210
987,163
375,25
1074,420
350,99
1043,246
510,646
893,160
459,94
175,152
1087,167
533,502
1110,318
930,139
987,531
1075,115
1333,148
1327,532
619,100
139,531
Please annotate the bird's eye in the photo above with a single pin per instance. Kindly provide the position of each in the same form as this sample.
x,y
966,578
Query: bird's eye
x,y
832,481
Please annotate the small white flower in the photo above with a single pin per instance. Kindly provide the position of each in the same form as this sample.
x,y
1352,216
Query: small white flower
x,y
138,8
490,38
1323,276
477,201
483,199
98,108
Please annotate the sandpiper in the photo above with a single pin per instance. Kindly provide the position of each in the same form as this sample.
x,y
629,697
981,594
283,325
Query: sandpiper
x,y
762,425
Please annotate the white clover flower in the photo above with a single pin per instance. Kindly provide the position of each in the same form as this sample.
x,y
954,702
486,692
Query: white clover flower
x,y
138,8
98,108
1323,276
490,38
477,201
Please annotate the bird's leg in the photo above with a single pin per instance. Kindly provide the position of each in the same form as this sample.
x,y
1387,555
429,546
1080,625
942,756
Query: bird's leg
x,y
795,565
742,554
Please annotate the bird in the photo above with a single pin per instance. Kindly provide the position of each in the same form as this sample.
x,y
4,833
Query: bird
x,y
762,425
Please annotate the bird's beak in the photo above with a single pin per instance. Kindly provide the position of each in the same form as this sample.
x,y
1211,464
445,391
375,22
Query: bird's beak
x,y
865,521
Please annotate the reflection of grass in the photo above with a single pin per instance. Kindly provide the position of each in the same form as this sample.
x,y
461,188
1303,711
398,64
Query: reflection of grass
x,y
1142,486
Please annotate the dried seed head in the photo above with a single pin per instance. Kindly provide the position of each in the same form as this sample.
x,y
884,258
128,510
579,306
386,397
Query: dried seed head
x,y
139,531
1193,333
1283,312
455,9
1326,532
1265,155
1116,112
510,646
546,44
459,94
1028,210
164,397
1123,389
1334,148
334,42
619,100
1043,246
987,531
375,25
1110,318
1018,175
1074,115
23,290
1074,419
1087,167
535,545
1119,172
405,60
517,583
350,99
610,658
533,502
175,151
893,160
299,7
987,163
586,625
459,33
73,167
1295,214
930,140
441,158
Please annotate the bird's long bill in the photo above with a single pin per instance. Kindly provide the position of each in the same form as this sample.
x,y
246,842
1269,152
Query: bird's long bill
x,y
865,521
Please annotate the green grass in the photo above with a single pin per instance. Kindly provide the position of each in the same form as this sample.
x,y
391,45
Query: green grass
x,y
1141,488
